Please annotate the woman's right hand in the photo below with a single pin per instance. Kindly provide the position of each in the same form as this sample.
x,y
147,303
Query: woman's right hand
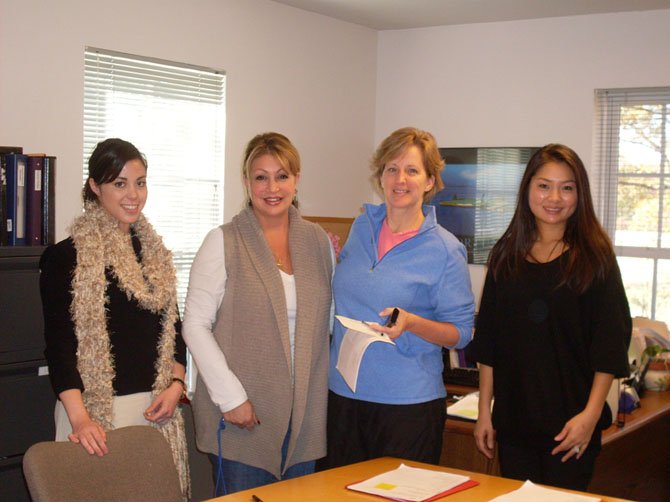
x,y
243,416
91,436
485,436
85,431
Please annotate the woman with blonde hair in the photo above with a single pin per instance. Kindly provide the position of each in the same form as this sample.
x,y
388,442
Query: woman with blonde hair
x,y
397,258
257,323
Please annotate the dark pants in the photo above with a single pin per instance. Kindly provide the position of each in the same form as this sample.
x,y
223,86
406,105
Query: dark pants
x,y
361,430
535,462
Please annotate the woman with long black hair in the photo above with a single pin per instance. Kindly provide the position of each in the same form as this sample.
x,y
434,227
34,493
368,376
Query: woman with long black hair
x,y
552,331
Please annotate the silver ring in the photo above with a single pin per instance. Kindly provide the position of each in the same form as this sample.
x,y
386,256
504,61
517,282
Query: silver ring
x,y
577,449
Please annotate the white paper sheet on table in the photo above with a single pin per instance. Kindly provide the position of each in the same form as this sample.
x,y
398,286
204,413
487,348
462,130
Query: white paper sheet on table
x,y
356,340
409,483
530,492
466,407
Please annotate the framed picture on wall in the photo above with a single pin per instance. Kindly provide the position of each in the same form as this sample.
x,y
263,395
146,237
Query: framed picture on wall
x,y
479,195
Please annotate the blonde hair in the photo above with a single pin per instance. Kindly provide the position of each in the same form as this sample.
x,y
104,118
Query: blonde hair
x,y
397,143
275,144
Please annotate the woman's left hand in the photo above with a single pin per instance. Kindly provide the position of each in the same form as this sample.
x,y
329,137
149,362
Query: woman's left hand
x,y
162,408
398,327
575,436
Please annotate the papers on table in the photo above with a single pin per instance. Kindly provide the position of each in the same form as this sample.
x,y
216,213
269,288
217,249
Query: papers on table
x,y
466,407
356,340
530,492
413,484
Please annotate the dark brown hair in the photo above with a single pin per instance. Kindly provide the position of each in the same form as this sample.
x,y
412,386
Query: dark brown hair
x,y
590,252
107,161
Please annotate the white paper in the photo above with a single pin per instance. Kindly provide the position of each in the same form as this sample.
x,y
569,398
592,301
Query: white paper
x,y
356,340
467,407
530,492
409,483
359,326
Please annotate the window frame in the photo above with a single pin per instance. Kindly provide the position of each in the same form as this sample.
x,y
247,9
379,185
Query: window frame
x,y
609,103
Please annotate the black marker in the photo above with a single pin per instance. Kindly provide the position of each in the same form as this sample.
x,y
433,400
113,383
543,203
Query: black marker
x,y
255,498
393,318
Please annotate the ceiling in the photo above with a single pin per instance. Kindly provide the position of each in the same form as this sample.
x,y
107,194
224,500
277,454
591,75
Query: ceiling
x,y
403,14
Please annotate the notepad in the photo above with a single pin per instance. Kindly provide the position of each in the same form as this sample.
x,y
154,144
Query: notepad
x,y
413,484
357,339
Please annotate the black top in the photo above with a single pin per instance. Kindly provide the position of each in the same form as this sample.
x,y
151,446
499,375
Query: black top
x,y
545,343
133,331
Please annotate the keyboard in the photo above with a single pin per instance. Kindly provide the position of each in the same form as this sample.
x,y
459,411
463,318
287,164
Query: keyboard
x,y
468,377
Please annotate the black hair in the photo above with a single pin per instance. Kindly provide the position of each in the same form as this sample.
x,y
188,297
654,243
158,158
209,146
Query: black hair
x,y
107,161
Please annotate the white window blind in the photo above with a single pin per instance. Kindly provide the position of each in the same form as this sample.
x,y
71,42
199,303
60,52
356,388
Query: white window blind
x,y
175,114
498,178
631,157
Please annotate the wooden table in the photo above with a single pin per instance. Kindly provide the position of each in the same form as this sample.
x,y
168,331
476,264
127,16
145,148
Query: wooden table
x,y
634,462
330,485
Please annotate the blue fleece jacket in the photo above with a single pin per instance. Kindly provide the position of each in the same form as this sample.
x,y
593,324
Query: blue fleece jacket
x,y
426,275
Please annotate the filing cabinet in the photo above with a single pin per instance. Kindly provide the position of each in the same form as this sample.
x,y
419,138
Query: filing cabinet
x,y
25,392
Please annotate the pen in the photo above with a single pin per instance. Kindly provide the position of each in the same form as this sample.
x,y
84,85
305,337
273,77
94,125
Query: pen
x,y
255,498
393,318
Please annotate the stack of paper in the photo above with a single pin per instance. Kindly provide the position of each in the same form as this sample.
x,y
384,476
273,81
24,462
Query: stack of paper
x,y
411,484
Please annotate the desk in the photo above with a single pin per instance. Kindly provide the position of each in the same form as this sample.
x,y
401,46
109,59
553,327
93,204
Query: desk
x,y
634,462
330,485
635,459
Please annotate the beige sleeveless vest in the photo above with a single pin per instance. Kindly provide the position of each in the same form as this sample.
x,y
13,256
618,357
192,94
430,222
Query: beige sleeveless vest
x,y
252,331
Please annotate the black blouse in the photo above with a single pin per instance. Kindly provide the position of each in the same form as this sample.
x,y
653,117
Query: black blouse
x,y
545,344
134,332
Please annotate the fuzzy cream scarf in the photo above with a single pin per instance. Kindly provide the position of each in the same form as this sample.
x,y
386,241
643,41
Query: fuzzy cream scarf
x,y
100,244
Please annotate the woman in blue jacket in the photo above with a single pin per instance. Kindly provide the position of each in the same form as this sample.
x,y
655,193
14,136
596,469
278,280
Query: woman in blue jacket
x,y
397,256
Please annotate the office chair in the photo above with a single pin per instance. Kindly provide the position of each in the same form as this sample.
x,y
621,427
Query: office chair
x,y
139,466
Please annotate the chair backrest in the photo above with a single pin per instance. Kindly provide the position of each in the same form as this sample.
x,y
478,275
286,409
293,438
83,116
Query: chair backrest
x,y
139,466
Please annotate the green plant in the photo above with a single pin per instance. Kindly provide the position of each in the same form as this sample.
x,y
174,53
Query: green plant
x,y
652,352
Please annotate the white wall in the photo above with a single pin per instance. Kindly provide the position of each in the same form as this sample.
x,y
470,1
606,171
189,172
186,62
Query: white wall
x,y
334,88
516,83
308,76
522,83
